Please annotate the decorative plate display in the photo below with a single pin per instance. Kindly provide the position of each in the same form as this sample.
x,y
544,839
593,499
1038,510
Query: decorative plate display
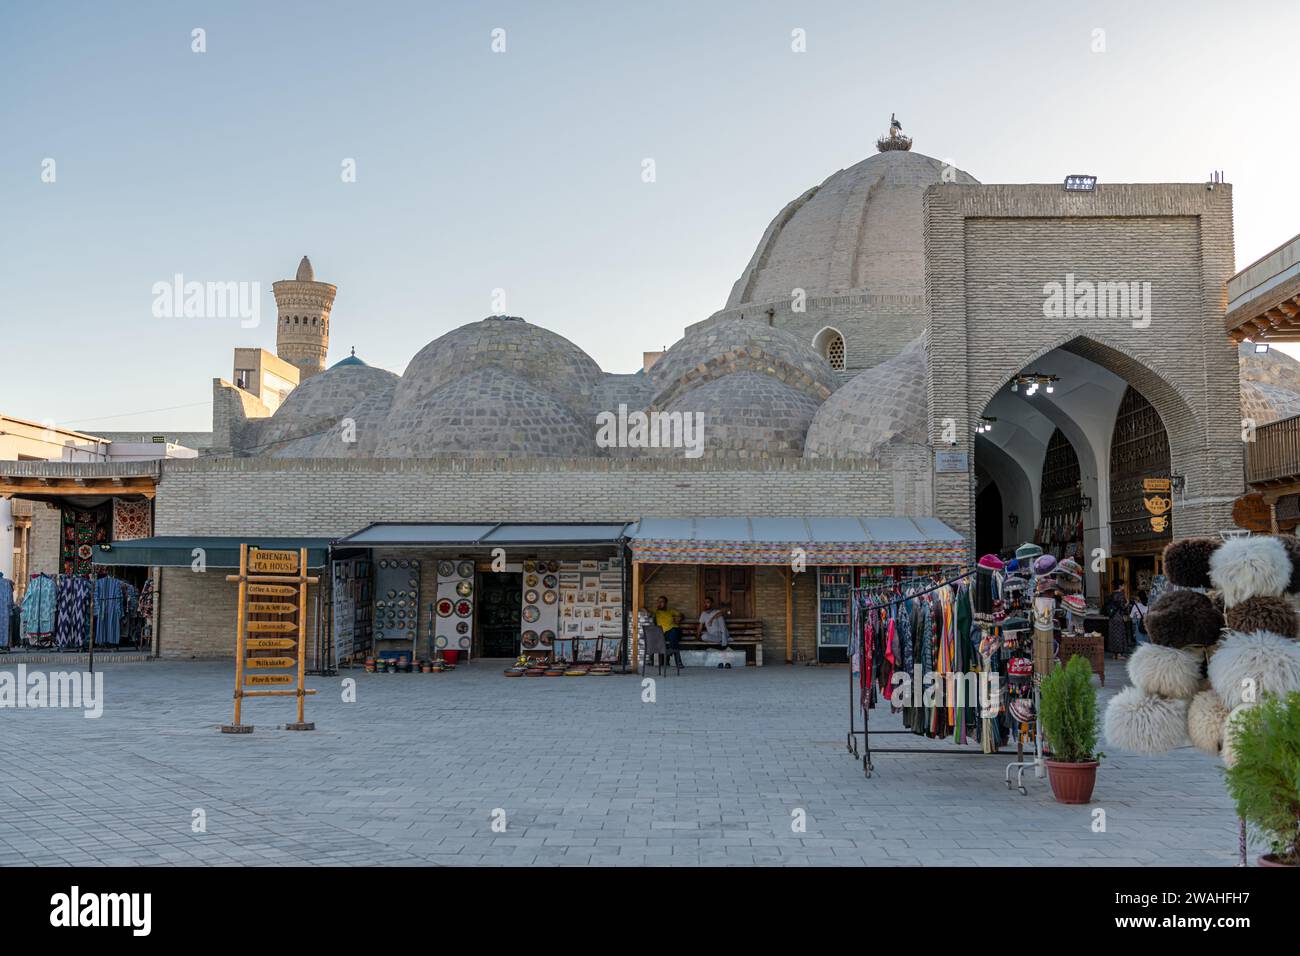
x,y
550,597
550,581
464,642
465,569
463,608
413,584
530,566
530,597
440,641
530,639
446,569
444,607
531,581
547,637
462,627
383,564
379,604
464,589
531,614
379,635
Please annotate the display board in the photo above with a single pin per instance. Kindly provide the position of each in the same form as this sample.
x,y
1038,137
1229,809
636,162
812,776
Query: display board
x,y
591,608
453,611
353,596
397,599
540,614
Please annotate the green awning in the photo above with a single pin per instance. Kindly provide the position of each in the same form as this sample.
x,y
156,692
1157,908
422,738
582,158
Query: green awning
x,y
168,551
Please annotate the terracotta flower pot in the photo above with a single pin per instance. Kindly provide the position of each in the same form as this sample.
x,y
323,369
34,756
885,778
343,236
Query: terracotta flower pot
x,y
1270,859
1072,782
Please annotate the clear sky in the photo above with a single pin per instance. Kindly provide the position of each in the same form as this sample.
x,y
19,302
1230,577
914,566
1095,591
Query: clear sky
x,y
522,170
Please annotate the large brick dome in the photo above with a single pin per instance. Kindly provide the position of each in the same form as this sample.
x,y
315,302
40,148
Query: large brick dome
x,y
859,231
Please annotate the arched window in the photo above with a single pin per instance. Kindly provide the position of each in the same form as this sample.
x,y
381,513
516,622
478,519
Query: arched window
x,y
830,343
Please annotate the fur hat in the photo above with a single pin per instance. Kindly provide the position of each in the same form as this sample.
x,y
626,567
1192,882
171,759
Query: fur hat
x,y
1145,724
1180,618
1187,562
1248,567
1276,614
1230,734
1292,545
1165,671
1205,718
1256,663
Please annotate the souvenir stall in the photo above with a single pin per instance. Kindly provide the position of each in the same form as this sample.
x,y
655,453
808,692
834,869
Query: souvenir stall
x,y
837,552
352,595
546,594
957,655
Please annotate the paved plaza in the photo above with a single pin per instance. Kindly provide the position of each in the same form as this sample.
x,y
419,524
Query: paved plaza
x,y
417,769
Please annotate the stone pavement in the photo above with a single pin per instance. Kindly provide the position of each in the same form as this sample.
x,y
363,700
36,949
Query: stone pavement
x,y
585,772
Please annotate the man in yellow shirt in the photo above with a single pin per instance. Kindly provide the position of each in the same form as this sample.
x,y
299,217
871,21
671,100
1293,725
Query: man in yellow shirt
x,y
669,620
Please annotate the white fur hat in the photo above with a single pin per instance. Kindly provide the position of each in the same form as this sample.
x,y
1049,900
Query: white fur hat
x,y
1230,734
1256,663
1145,724
1165,671
1248,567
1205,718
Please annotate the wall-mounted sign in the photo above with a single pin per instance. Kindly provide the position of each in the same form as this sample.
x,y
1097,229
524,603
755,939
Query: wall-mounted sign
x,y
1251,512
947,462
1157,498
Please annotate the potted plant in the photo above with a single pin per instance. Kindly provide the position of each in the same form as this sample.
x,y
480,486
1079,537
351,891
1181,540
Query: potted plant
x,y
1069,715
1264,779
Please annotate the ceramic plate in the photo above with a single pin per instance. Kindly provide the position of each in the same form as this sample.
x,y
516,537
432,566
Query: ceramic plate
x,y
464,589
530,597
549,597
446,569
531,614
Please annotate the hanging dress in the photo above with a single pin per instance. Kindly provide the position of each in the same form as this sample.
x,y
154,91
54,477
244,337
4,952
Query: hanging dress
x,y
38,608
108,611
72,598
6,609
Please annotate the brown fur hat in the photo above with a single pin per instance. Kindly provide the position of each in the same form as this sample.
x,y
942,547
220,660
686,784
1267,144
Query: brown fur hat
x,y
1181,618
1187,562
1276,614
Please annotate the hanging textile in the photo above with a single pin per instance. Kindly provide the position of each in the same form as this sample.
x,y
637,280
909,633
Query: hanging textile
x,y
132,519
38,608
6,610
83,529
72,601
108,611
146,612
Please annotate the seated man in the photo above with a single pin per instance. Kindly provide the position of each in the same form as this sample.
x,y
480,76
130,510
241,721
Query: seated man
x,y
713,624
669,620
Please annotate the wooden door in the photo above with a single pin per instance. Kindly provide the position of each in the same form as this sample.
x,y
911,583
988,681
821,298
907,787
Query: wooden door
x,y
729,587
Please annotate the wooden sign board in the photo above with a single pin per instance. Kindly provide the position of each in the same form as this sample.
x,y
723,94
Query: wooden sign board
x,y
274,626
263,680
1150,485
271,661
272,562
270,574
1251,512
270,644
271,607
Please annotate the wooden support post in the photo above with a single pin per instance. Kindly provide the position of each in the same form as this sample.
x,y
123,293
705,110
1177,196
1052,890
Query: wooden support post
x,y
636,614
237,727
787,578
302,630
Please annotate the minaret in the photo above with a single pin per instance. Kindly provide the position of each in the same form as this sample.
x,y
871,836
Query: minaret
x,y
302,306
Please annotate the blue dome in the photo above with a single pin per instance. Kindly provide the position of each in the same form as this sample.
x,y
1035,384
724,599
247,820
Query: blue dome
x,y
350,360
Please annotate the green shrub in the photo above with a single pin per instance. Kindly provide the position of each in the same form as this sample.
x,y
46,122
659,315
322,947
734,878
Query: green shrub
x,y
1069,706
1264,781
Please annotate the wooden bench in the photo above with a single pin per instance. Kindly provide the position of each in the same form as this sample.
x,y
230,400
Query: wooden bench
x,y
746,634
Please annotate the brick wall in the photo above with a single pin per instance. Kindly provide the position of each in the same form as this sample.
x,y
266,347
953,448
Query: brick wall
x,y
991,249
43,556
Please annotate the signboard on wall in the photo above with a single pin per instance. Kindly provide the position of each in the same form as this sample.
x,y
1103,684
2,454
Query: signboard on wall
x,y
1157,498
1251,512
951,462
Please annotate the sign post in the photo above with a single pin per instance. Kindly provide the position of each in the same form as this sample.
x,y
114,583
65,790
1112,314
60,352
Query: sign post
x,y
266,641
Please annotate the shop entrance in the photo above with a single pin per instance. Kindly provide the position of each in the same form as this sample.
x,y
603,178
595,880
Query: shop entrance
x,y
500,606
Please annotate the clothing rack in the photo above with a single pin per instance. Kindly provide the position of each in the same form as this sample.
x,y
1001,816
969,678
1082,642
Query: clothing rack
x,y
854,703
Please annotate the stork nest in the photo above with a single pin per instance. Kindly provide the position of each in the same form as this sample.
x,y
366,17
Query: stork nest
x,y
893,141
